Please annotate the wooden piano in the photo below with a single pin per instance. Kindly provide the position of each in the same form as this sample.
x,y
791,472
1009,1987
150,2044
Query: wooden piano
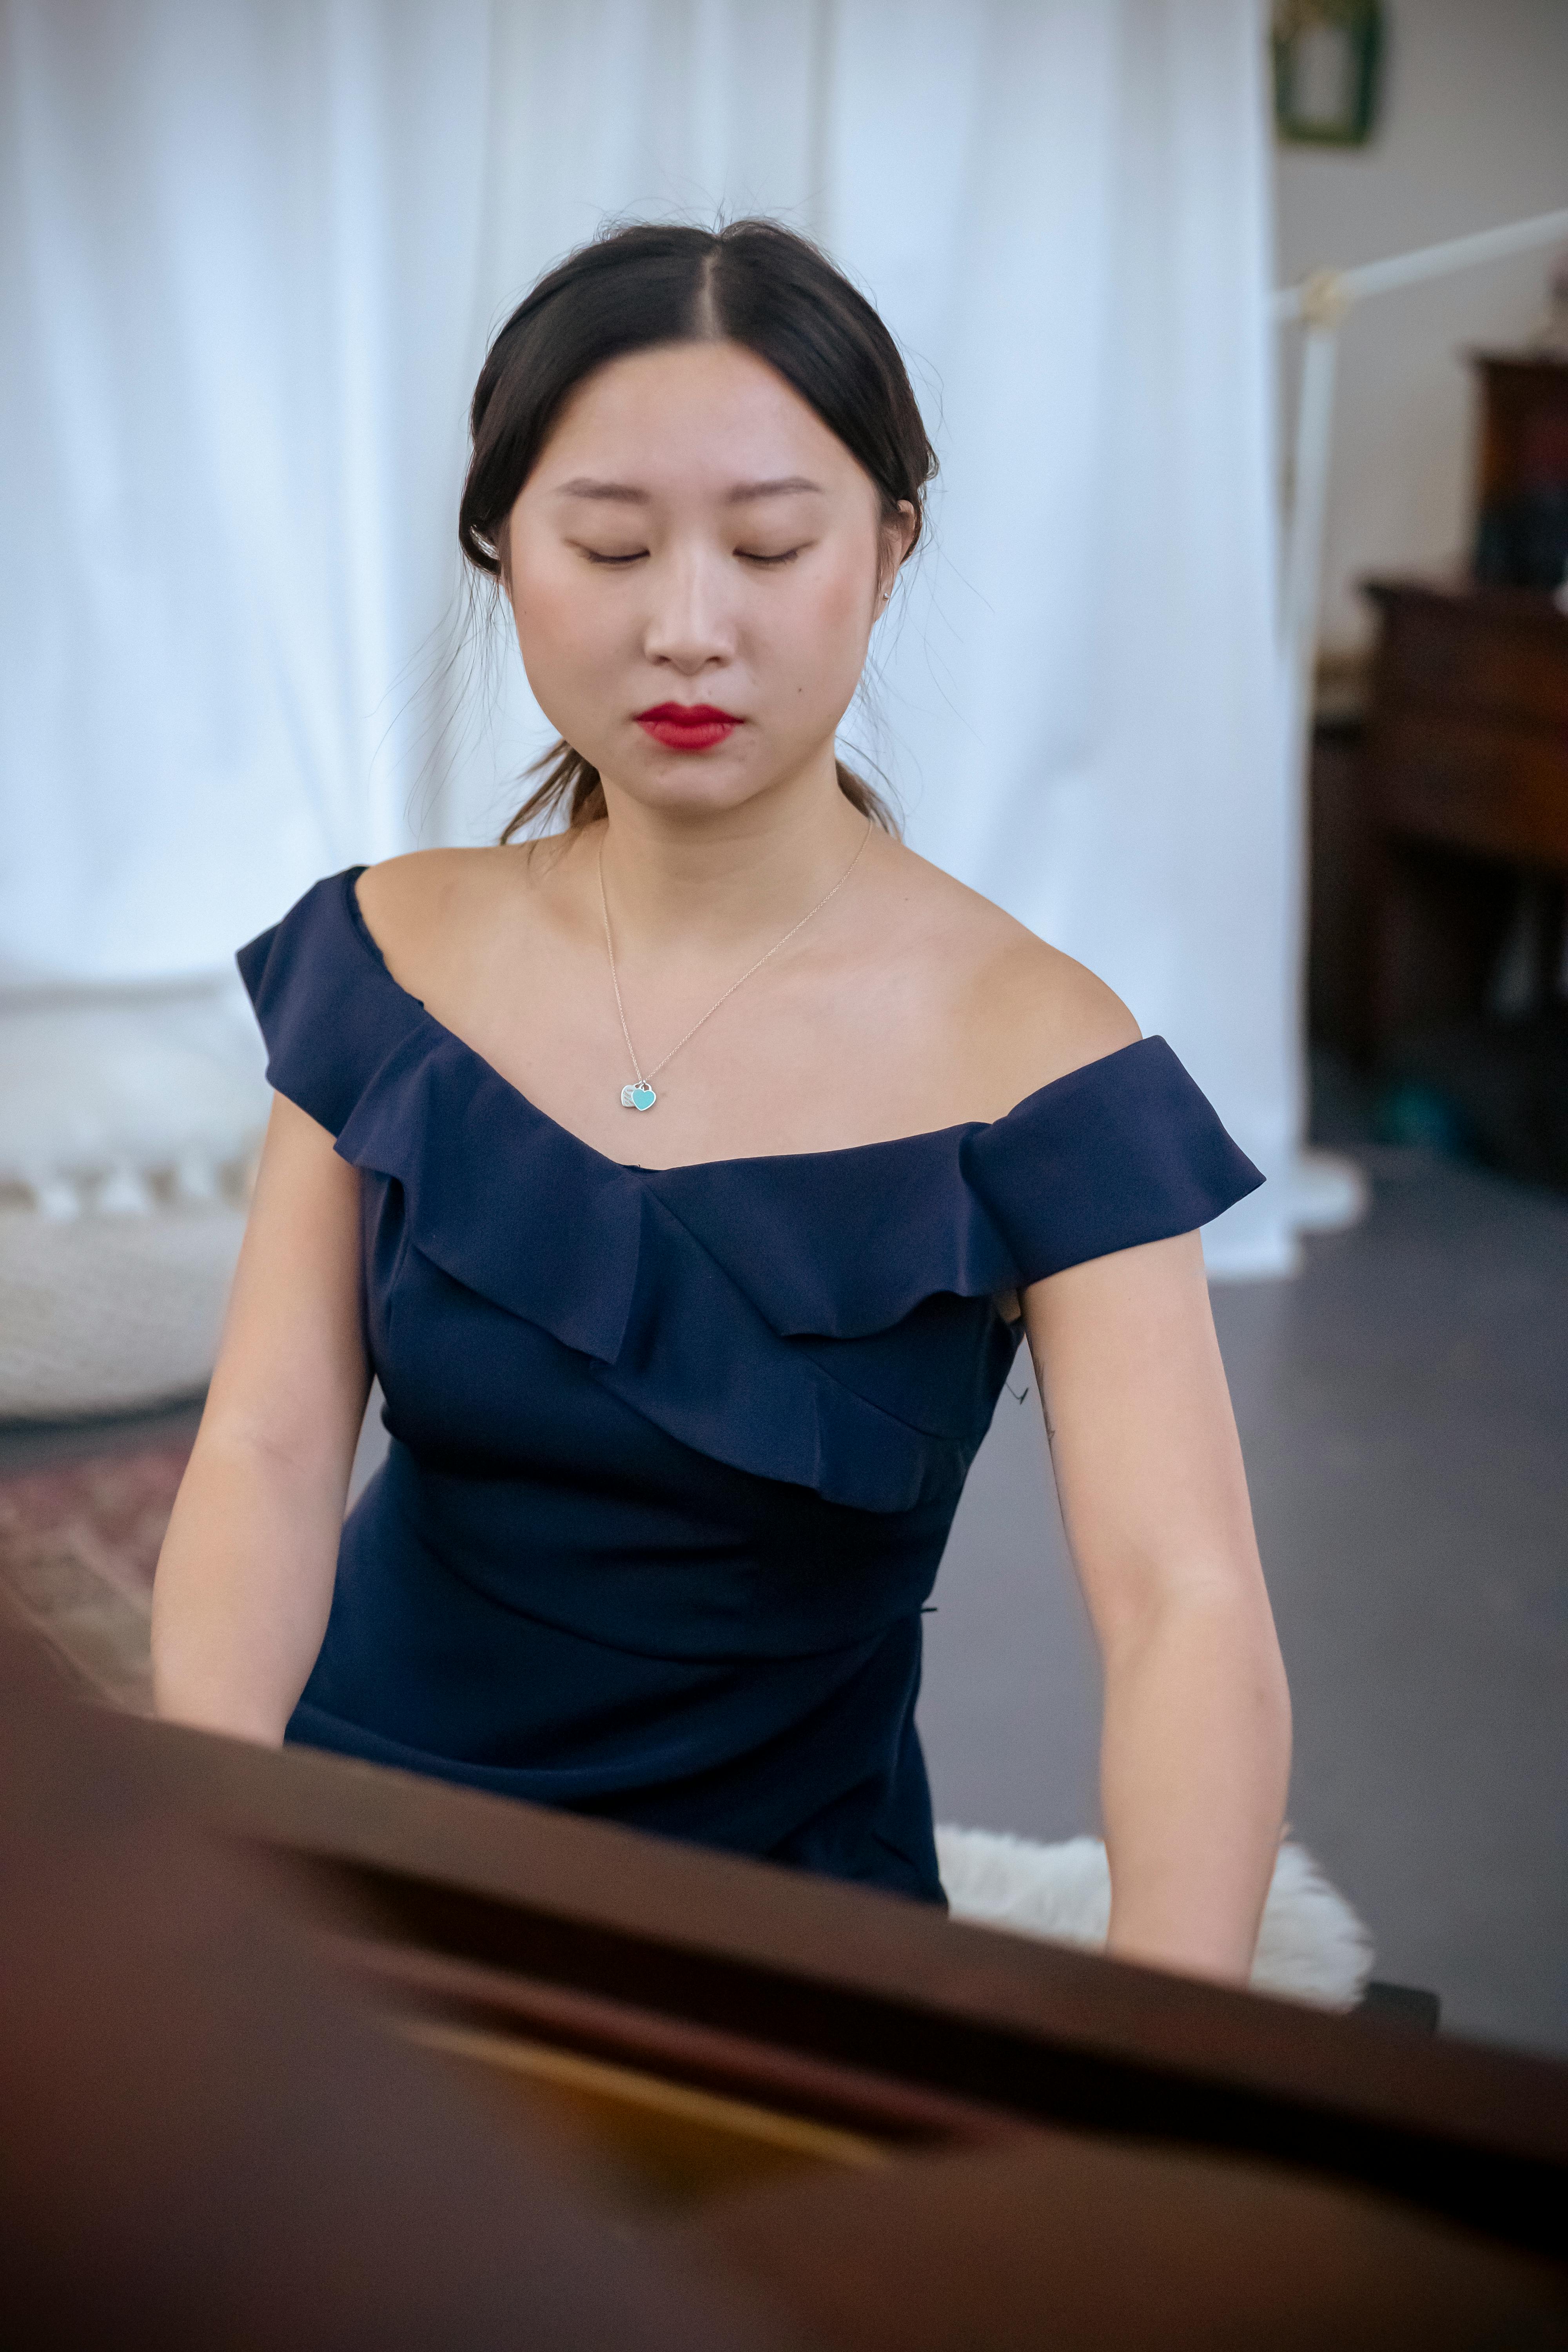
x,y
1465,781
873,2127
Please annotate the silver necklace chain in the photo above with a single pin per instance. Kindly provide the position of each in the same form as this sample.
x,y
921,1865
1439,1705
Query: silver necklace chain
x,y
631,1096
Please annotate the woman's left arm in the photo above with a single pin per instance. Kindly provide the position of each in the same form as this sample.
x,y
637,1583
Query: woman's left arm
x,y
1195,1752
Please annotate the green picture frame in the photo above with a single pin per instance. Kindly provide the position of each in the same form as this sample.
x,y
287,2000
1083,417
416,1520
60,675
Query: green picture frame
x,y
1328,62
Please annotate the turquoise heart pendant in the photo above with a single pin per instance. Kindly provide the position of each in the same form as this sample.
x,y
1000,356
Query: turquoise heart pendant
x,y
638,1098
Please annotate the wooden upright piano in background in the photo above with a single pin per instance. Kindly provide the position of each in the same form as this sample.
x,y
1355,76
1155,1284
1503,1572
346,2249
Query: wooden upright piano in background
x,y
1466,779
1454,809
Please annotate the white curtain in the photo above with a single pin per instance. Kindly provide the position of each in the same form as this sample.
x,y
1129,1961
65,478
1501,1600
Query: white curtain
x,y
245,237
260,244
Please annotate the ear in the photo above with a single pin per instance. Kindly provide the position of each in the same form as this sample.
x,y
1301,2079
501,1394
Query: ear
x,y
898,535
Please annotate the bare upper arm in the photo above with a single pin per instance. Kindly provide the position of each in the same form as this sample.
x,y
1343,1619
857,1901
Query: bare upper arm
x,y
1148,1464
292,1377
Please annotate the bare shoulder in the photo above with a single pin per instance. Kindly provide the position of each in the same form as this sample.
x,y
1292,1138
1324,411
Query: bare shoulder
x,y
1026,1013
406,898
433,911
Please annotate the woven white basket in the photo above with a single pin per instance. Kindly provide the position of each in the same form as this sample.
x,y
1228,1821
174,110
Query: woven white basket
x,y
127,1118
105,1313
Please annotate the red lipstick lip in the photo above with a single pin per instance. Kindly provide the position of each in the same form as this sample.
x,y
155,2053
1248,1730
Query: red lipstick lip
x,y
688,726
689,714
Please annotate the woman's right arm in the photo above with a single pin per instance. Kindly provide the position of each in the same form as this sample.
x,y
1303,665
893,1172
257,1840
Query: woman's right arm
x,y
245,1577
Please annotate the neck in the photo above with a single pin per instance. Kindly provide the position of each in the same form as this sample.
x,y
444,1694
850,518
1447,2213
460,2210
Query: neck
x,y
715,879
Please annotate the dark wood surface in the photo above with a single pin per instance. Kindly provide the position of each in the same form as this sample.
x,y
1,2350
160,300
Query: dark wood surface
x,y
856,2007
1464,772
1341,892
206,2142
809,2116
1523,474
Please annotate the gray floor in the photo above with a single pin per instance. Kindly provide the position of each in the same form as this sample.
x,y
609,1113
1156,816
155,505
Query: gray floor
x,y
1404,1409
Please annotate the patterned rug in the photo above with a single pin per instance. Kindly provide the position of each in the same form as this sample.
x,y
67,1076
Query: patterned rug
x,y
79,1543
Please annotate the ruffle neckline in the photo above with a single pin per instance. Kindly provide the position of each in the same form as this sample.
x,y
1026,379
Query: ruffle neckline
x,y
691,1287
367,940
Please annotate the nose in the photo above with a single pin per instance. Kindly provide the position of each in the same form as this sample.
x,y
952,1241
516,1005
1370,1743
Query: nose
x,y
691,623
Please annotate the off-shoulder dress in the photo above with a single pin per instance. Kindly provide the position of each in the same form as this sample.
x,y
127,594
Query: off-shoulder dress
x,y
675,1451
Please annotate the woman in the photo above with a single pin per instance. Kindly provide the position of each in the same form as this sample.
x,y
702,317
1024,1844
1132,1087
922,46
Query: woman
x,y
689,1178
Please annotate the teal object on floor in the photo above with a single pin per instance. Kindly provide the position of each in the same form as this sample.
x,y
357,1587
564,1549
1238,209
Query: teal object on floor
x,y
1421,1116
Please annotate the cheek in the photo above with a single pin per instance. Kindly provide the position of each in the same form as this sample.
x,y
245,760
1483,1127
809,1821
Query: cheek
x,y
822,638
563,632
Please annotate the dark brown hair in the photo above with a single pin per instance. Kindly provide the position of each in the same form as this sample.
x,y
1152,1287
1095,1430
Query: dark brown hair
x,y
753,283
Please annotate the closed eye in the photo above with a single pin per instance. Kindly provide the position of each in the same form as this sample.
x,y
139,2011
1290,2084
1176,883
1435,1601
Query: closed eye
x,y
639,555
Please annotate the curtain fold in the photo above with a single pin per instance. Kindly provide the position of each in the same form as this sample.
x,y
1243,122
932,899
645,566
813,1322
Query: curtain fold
x,y
235,371
260,249
1069,224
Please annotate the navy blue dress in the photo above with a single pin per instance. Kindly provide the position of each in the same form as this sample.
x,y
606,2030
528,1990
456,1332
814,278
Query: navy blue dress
x,y
675,1451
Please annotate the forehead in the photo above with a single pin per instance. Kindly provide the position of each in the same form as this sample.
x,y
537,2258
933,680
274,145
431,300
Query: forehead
x,y
692,416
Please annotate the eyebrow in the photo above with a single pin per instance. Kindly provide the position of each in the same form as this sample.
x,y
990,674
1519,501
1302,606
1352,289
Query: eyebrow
x,y
582,486
786,486
623,493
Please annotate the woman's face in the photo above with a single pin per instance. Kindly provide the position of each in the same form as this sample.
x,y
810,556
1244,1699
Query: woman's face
x,y
694,538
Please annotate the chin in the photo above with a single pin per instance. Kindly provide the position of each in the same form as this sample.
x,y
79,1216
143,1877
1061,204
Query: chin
x,y
695,796
695,784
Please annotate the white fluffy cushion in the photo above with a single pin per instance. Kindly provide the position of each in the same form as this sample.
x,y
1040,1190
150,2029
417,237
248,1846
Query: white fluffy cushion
x,y
1312,1946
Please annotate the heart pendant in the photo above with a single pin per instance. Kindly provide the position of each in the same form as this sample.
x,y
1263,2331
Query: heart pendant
x,y
638,1098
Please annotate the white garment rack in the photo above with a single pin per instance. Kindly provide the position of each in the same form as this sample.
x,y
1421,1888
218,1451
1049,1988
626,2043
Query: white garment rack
x,y
1321,302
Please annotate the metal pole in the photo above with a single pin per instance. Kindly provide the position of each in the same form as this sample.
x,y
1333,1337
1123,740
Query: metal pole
x,y
1308,501
1428,261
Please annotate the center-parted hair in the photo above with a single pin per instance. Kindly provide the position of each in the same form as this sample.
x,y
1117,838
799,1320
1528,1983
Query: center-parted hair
x,y
753,283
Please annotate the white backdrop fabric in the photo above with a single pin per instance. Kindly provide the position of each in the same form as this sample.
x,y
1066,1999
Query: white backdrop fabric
x,y
259,247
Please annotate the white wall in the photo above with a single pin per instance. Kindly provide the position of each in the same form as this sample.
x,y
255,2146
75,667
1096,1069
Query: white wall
x,y
1474,133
